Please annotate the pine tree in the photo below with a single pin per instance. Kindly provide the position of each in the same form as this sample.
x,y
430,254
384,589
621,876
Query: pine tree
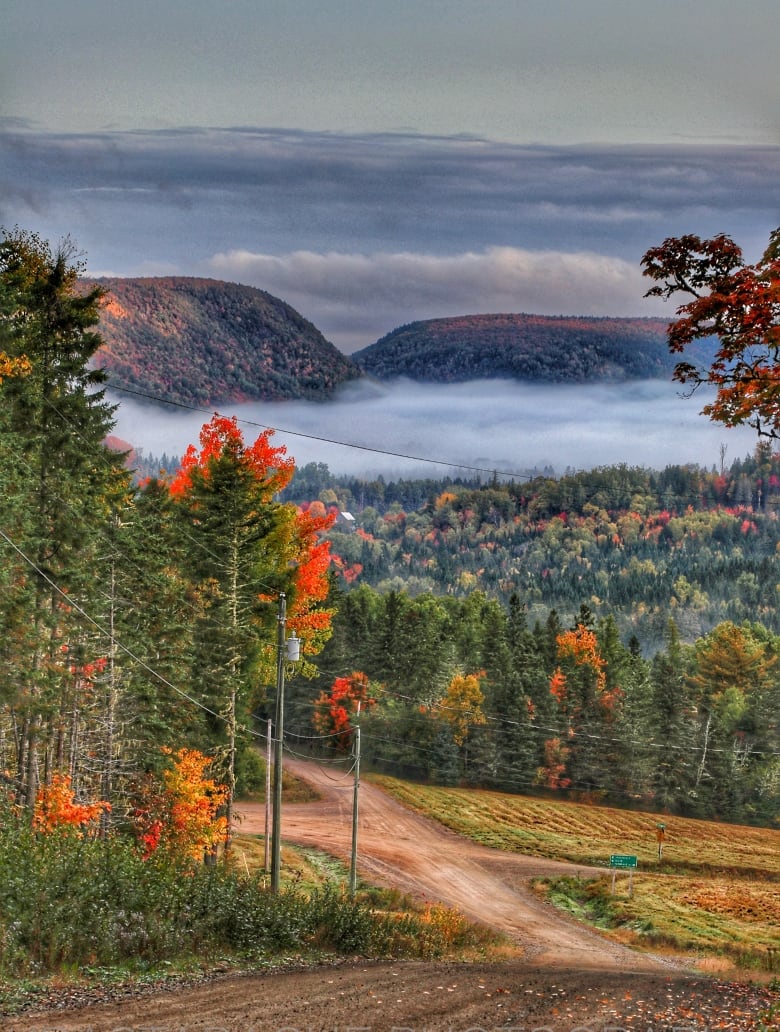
x,y
245,549
61,486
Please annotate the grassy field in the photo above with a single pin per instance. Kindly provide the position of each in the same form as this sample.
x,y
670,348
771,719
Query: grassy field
x,y
715,893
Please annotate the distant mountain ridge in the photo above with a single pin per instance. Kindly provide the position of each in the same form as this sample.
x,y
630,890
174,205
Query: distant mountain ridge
x,y
535,348
203,341
198,341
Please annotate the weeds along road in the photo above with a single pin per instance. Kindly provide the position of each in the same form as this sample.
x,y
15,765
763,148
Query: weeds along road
x,y
397,848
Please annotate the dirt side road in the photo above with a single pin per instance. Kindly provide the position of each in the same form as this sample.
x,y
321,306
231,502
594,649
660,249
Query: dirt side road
x,y
565,978
401,849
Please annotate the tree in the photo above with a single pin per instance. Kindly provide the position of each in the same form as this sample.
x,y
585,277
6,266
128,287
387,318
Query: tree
x,y
179,818
334,710
462,704
245,549
60,485
735,302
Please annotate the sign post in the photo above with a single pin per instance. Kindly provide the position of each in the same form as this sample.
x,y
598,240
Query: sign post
x,y
622,862
660,834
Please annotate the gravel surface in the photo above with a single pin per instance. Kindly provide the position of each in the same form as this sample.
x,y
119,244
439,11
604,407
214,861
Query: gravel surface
x,y
564,978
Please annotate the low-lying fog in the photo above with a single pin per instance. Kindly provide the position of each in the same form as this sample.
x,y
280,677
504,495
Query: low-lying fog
x,y
495,425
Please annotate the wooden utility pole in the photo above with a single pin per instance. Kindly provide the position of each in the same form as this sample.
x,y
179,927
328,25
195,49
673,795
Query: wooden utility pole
x,y
267,793
355,797
276,835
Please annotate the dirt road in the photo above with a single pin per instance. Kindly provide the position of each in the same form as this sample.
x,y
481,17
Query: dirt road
x,y
398,848
564,978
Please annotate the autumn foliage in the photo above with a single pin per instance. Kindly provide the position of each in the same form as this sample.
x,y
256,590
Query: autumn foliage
x,y
56,807
297,537
222,435
336,709
737,303
180,818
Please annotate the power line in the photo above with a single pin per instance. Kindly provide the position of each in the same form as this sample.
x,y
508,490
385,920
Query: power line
x,y
114,640
331,440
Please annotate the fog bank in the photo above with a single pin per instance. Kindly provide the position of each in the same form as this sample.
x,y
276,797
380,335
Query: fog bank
x,y
491,424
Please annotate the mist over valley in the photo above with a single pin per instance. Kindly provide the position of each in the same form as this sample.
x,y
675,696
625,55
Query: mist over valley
x,y
500,425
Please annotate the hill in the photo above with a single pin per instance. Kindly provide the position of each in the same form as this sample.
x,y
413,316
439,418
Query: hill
x,y
557,349
202,341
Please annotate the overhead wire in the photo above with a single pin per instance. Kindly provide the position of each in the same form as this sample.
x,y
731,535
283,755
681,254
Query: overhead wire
x,y
330,440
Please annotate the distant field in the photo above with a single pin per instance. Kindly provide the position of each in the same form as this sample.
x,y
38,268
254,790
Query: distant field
x,y
716,890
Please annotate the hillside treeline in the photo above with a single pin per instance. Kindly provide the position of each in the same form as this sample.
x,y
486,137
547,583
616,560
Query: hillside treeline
x,y
141,623
637,544
201,341
534,348
466,691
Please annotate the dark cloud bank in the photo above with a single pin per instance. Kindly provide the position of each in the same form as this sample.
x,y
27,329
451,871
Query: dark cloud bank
x,y
364,233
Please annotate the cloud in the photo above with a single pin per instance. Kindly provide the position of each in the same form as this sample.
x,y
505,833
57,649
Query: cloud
x,y
358,298
493,425
363,232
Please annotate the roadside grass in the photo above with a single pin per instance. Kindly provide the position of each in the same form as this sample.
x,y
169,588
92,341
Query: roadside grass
x,y
80,915
715,893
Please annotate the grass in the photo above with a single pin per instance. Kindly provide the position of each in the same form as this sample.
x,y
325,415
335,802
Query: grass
x,y
714,894
586,834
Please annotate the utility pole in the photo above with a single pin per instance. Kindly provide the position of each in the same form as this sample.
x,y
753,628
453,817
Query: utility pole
x,y
355,797
267,792
286,649
276,833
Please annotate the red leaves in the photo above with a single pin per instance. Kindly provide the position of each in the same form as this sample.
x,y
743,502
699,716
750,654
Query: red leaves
x,y
334,710
222,436
740,305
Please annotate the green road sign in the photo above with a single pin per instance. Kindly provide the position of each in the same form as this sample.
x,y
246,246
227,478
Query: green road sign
x,y
617,860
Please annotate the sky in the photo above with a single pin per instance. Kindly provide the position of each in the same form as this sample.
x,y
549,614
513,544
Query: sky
x,y
379,162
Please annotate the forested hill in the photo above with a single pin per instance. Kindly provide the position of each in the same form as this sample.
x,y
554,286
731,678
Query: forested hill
x,y
558,349
202,341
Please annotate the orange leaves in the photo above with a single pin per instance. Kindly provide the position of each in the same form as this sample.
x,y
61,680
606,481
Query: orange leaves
x,y
56,807
222,436
181,816
13,366
558,684
581,647
334,710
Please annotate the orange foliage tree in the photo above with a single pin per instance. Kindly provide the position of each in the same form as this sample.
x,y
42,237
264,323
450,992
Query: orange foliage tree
x,y
334,710
247,550
579,685
56,807
737,303
180,818
286,540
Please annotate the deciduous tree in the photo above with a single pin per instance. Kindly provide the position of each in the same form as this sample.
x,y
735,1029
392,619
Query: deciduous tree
x,y
735,302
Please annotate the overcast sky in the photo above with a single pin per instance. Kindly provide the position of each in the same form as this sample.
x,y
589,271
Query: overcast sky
x,y
382,161
388,160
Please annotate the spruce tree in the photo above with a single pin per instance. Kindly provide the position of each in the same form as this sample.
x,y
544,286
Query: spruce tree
x,y
61,486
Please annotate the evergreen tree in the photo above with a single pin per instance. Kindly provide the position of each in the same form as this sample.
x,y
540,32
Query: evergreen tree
x,y
245,549
62,486
673,728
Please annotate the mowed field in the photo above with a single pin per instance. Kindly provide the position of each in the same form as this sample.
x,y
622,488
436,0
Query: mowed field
x,y
713,894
